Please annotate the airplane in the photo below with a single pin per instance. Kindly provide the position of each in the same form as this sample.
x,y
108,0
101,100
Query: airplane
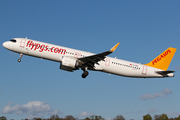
x,y
72,59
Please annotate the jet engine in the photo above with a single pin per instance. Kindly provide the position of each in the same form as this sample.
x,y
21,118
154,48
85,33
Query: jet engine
x,y
69,63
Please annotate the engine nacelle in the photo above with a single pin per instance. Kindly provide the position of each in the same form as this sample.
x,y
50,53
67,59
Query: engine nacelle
x,y
69,63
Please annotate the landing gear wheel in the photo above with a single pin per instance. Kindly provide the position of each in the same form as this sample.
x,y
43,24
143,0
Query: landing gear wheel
x,y
85,74
19,60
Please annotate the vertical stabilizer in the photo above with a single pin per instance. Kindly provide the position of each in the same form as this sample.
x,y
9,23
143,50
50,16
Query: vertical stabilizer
x,y
163,60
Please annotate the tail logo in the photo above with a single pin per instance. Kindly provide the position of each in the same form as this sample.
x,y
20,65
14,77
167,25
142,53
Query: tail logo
x,y
163,55
163,60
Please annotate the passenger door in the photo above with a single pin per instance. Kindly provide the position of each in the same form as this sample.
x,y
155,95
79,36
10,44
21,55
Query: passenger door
x,y
144,71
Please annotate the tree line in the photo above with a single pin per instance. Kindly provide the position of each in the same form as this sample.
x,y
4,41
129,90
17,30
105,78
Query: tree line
x,y
95,117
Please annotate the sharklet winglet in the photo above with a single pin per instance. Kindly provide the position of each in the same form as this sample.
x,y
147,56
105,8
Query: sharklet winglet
x,y
114,48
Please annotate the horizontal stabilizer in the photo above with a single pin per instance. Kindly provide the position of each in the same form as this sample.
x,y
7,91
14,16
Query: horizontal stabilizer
x,y
164,72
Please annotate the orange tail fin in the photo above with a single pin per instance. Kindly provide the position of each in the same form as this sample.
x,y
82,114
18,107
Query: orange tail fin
x,y
163,60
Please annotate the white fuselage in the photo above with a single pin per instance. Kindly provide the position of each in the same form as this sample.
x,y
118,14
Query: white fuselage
x,y
55,53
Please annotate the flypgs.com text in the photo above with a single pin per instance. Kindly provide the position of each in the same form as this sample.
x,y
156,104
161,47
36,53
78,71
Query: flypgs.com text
x,y
42,48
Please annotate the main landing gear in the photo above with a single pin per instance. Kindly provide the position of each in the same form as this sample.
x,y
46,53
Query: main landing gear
x,y
19,60
85,73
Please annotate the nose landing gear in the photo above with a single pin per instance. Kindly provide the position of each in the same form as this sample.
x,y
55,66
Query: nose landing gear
x,y
85,73
19,60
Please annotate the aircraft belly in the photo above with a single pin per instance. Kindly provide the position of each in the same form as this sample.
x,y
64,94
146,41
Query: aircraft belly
x,y
122,71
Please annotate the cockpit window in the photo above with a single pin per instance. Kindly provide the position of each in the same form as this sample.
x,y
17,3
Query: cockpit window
x,y
13,40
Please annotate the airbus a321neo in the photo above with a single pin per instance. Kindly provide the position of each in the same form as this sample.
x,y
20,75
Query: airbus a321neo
x,y
72,59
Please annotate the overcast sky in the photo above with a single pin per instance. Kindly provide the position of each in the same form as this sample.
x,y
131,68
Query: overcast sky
x,y
39,88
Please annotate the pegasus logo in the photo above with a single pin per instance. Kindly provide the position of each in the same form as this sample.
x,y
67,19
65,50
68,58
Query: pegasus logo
x,y
160,57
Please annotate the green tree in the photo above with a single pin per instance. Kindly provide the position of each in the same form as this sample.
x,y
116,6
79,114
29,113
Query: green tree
x,y
54,117
157,117
164,117
3,118
147,117
69,117
87,118
178,118
119,117
37,119
96,118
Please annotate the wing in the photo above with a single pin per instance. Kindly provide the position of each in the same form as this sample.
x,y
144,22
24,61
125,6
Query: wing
x,y
91,60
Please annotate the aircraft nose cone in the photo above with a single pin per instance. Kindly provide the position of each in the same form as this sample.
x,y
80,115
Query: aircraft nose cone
x,y
5,44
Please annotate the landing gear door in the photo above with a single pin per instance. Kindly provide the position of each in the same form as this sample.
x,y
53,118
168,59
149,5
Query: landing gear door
x,y
144,71
23,41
